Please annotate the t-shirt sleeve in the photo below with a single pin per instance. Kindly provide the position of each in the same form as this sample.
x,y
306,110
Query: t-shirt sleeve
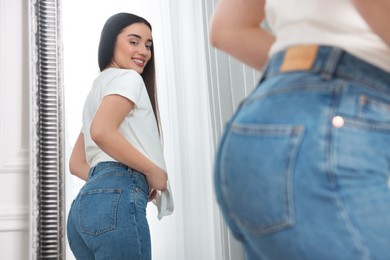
x,y
127,83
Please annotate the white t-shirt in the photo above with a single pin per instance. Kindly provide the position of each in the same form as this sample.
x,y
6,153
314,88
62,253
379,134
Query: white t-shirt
x,y
327,22
139,127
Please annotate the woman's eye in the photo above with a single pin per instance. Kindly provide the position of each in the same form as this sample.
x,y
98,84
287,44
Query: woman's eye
x,y
149,47
134,43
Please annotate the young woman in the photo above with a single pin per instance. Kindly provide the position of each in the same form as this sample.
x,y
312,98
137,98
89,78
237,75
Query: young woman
x,y
302,170
118,151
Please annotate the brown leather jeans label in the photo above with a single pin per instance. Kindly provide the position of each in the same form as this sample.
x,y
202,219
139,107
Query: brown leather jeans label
x,y
300,57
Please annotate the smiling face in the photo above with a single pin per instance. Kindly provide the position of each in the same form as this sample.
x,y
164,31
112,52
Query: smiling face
x,y
133,48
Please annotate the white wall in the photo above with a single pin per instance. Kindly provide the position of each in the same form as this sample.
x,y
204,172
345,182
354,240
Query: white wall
x,y
14,130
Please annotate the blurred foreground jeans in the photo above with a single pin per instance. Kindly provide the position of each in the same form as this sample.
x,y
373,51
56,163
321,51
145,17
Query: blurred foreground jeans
x,y
302,169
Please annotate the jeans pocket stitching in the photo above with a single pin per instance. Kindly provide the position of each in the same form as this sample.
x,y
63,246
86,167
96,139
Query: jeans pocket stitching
x,y
295,134
86,222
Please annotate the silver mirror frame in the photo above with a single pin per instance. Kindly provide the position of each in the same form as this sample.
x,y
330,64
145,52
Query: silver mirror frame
x,y
47,171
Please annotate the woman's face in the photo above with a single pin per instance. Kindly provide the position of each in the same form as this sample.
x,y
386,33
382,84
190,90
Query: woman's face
x,y
133,48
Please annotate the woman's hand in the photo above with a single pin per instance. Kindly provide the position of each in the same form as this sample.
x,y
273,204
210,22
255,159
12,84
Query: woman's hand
x,y
157,179
152,194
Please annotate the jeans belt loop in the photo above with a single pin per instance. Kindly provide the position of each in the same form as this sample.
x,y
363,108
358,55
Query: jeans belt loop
x,y
331,62
91,172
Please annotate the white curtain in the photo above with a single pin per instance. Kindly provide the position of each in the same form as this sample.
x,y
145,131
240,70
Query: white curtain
x,y
192,232
194,229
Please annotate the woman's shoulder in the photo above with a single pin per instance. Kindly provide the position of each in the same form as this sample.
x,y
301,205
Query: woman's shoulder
x,y
120,77
117,73
120,81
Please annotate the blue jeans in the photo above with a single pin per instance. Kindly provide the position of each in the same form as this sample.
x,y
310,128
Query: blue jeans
x,y
302,169
107,219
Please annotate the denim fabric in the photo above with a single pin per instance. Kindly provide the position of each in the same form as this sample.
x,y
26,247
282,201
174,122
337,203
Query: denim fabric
x,y
302,169
107,219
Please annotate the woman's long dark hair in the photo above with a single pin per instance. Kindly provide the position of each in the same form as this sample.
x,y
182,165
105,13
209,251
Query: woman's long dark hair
x,y
113,26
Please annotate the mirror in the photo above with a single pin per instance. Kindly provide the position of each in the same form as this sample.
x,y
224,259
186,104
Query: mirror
x,y
58,89
81,34
47,136
198,93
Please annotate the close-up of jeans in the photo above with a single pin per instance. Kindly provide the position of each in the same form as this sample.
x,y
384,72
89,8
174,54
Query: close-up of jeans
x,y
107,219
303,167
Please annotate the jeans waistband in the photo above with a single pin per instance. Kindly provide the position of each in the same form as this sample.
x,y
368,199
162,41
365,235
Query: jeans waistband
x,y
328,62
103,165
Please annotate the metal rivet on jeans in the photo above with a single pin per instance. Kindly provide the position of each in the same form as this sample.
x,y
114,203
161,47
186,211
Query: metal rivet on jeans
x,y
338,121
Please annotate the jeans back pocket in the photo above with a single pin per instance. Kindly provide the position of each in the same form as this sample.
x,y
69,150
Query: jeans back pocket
x,y
257,164
98,210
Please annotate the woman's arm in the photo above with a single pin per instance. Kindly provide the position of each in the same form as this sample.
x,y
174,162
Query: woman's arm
x,y
376,13
78,165
105,133
235,29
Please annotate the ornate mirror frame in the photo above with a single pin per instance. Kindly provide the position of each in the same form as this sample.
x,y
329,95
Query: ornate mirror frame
x,y
47,171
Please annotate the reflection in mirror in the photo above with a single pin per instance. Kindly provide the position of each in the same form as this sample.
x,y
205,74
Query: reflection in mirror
x,y
197,92
82,25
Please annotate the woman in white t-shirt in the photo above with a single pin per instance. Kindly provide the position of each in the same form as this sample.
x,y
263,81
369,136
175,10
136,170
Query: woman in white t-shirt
x,y
118,151
302,170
